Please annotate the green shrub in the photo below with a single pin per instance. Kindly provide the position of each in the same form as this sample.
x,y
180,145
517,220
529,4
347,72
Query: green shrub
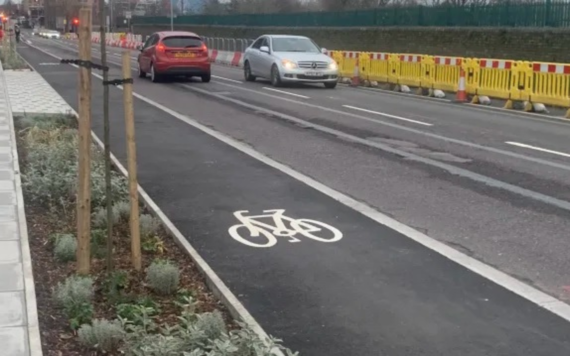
x,y
115,284
74,290
79,314
163,277
119,187
50,177
135,313
211,324
74,296
122,210
149,225
99,218
65,248
154,345
45,122
103,335
98,243
12,60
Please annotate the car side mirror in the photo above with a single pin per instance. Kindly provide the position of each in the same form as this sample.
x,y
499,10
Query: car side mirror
x,y
140,48
324,50
264,49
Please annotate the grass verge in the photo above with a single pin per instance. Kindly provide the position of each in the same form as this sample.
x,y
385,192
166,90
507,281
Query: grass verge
x,y
11,60
166,310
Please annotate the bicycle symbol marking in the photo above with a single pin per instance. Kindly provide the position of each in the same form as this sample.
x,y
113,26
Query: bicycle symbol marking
x,y
255,233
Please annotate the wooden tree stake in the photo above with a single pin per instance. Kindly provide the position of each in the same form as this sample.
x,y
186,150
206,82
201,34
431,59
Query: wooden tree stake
x,y
132,163
84,176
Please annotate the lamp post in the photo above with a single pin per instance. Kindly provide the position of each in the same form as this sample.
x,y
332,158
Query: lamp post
x,y
171,15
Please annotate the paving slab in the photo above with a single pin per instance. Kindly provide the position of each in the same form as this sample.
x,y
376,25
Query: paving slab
x,y
19,331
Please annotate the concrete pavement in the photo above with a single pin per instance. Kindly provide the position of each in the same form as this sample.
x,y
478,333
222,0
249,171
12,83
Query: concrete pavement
x,y
372,292
19,329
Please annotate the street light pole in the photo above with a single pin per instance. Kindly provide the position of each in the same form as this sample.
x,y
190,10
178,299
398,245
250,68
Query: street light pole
x,y
111,14
171,15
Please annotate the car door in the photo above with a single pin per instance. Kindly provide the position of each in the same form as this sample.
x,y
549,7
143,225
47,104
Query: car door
x,y
266,59
254,56
147,52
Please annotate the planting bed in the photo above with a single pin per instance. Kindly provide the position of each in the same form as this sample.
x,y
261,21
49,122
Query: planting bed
x,y
164,310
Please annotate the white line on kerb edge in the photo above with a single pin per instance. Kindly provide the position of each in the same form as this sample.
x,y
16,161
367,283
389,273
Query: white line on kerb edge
x,y
538,148
528,292
387,115
286,92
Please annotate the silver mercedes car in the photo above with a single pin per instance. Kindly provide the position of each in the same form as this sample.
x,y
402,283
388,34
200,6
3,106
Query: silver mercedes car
x,y
289,59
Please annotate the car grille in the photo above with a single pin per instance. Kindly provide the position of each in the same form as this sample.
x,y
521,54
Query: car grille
x,y
309,64
306,77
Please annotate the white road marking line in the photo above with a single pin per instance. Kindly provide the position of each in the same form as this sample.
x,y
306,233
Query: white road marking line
x,y
286,92
408,129
387,115
228,79
538,148
502,279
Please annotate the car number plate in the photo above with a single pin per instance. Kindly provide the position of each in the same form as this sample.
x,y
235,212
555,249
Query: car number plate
x,y
314,74
184,55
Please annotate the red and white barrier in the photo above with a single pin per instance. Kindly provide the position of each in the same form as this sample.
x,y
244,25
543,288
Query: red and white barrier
x,y
233,59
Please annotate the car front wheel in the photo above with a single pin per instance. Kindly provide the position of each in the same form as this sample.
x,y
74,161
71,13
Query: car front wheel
x,y
247,73
330,85
275,76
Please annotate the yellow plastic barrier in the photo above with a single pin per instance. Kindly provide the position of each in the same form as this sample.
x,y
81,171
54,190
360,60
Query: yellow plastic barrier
x,y
364,65
379,67
409,68
445,72
547,83
348,64
492,77
427,72
538,82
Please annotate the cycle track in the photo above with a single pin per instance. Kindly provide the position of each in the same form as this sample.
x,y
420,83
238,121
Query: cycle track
x,y
373,292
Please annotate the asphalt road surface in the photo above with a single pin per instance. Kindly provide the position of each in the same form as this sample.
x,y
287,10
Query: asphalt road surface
x,y
488,183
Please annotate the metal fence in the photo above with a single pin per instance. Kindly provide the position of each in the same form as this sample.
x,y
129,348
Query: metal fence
x,y
228,44
540,14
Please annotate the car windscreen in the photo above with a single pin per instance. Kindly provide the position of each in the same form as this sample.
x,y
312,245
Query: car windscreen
x,y
182,42
294,44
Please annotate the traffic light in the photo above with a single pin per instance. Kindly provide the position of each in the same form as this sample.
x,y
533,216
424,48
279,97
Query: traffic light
x,y
76,21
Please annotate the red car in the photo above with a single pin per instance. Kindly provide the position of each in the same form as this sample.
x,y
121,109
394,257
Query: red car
x,y
174,53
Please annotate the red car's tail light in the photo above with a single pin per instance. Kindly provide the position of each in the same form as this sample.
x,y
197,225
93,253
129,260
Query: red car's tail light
x,y
204,51
160,48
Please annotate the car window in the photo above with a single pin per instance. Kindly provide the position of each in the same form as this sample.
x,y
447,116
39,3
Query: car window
x,y
257,44
294,44
265,42
183,42
150,40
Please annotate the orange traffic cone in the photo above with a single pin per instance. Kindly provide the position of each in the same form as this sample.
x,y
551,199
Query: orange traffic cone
x,y
355,75
461,95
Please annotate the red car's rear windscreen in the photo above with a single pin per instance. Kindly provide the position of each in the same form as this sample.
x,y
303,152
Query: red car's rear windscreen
x,y
182,42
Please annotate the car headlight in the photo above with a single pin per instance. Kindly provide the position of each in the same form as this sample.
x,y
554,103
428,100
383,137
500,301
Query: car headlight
x,y
289,64
333,65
